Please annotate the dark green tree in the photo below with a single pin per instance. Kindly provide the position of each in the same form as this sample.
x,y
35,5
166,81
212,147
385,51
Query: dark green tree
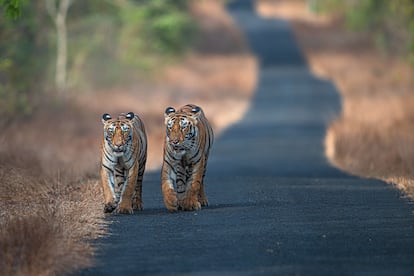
x,y
390,23
11,8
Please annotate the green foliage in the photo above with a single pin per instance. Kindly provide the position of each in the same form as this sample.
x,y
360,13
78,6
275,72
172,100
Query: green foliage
x,y
391,23
11,8
113,42
22,58
154,30
325,6
12,102
93,45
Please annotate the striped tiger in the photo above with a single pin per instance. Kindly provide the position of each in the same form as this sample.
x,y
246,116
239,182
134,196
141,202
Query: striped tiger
x,y
124,154
188,139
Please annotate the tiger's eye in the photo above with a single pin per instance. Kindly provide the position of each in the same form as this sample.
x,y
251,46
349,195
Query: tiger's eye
x,y
170,123
184,123
124,127
111,128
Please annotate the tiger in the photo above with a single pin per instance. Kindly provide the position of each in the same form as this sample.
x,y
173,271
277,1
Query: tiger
x,y
124,154
188,139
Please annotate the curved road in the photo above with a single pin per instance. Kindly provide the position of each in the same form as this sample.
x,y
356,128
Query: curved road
x,y
276,205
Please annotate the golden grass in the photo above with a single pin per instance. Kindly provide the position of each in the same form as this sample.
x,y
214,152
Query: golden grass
x,y
45,221
374,135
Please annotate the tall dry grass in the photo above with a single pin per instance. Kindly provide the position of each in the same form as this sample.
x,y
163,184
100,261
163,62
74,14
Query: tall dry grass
x,y
374,136
45,221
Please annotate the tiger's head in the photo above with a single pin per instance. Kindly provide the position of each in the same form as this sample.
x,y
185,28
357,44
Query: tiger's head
x,y
118,132
181,126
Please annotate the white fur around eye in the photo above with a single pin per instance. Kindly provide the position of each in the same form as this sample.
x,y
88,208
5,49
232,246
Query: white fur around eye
x,y
111,128
124,127
170,123
184,122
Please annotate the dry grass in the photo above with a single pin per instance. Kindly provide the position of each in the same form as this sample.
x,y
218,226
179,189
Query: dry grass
x,y
45,221
51,203
374,135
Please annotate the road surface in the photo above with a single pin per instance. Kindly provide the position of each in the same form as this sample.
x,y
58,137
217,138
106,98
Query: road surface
x,y
276,205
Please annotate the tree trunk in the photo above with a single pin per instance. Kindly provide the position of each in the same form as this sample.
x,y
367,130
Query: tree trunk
x,y
58,13
61,53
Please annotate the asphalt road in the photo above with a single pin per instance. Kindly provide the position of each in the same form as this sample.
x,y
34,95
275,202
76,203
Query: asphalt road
x,y
276,206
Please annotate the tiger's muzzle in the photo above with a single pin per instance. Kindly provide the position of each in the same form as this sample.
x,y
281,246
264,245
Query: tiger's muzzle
x,y
118,148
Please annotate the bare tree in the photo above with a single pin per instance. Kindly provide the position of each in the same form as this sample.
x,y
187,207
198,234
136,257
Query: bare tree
x,y
58,10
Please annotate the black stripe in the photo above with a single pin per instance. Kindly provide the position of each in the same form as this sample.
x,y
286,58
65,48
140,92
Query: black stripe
x,y
108,157
180,175
172,156
109,169
197,153
127,161
178,181
171,167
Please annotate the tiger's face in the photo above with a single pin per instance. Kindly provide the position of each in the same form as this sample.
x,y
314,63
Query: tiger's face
x,y
181,128
118,132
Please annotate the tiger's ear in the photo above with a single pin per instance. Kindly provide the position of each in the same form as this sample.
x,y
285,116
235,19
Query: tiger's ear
x,y
195,109
169,110
196,112
106,117
130,115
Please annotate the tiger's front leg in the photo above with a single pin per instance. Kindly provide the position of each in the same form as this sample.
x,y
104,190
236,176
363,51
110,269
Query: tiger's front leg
x,y
167,185
125,203
137,197
107,178
191,201
202,198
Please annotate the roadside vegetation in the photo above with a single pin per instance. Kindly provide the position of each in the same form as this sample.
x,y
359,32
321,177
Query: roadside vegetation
x,y
389,24
121,56
366,49
45,220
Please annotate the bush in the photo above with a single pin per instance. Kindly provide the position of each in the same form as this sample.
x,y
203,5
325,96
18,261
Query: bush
x,y
23,55
390,22
154,29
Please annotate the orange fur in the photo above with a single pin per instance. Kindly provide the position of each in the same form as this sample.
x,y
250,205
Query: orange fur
x,y
189,137
124,153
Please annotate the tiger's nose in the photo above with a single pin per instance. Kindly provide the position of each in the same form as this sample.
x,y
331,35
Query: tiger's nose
x,y
175,141
118,144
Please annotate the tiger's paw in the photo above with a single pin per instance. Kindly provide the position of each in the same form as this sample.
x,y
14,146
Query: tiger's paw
x,y
109,207
125,207
190,204
125,211
203,201
170,201
137,204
